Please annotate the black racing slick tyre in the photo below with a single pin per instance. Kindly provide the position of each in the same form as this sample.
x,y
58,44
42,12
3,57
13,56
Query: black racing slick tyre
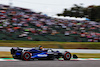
x,y
27,56
67,56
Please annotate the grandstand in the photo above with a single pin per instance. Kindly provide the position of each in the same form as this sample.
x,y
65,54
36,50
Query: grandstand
x,y
23,24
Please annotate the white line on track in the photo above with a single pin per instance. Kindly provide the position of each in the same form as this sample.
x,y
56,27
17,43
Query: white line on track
x,y
61,50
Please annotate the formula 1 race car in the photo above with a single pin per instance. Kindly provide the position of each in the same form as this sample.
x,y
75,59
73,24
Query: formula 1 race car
x,y
35,53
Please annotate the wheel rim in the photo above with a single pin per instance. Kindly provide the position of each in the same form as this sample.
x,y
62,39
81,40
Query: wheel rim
x,y
67,56
27,56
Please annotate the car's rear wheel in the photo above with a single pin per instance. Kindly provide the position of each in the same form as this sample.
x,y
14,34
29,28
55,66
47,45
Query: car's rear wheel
x,y
27,56
67,56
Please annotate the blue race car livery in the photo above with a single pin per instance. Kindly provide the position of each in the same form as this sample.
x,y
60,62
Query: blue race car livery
x,y
35,53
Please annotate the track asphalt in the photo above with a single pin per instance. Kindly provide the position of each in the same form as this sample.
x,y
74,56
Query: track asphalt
x,y
48,63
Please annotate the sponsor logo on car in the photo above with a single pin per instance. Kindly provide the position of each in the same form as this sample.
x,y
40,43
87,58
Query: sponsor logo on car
x,y
42,55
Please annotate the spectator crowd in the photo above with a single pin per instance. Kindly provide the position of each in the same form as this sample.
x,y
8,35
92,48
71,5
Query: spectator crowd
x,y
20,23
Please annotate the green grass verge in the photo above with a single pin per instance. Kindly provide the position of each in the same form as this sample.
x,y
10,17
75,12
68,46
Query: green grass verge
x,y
51,44
80,55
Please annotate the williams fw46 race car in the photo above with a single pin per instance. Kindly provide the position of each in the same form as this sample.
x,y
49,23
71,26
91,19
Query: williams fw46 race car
x,y
36,53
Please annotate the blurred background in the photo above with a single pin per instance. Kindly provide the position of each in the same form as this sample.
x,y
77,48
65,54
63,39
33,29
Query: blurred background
x,y
64,21
60,24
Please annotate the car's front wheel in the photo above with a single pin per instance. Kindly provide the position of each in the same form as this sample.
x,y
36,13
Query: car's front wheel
x,y
67,56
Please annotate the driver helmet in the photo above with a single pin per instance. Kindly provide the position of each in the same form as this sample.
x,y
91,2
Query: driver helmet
x,y
40,47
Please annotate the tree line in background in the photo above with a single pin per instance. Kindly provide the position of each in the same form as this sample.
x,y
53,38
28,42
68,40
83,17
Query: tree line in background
x,y
92,12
